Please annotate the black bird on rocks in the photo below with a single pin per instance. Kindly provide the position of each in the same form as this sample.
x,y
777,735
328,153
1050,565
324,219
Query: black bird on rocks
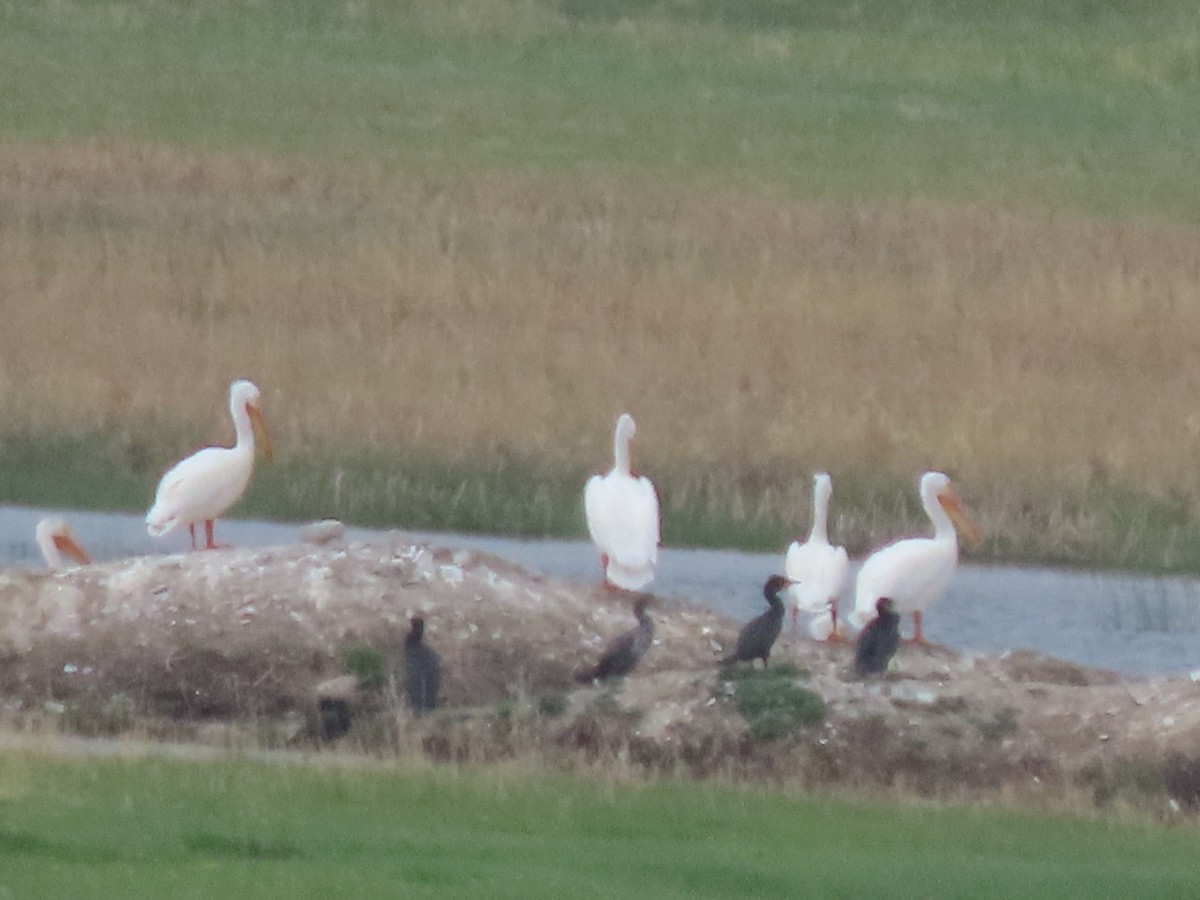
x,y
626,650
422,669
758,635
878,641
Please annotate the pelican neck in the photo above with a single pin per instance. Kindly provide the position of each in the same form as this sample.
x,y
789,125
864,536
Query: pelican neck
x,y
943,527
621,453
820,529
241,425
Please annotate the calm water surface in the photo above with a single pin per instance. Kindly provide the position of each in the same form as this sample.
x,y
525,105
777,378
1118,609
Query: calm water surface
x,y
1134,624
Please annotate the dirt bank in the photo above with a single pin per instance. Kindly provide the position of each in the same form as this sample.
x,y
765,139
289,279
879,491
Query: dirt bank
x,y
219,642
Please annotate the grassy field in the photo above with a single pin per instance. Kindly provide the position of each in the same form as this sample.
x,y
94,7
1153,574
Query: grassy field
x,y
153,828
451,241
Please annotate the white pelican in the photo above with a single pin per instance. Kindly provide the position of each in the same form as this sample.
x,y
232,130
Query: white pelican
x,y
205,484
916,571
622,517
817,569
56,541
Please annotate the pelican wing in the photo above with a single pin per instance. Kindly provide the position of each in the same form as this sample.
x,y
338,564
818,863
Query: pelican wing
x,y
623,521
821,570
200,487
913,572
595,510
635,540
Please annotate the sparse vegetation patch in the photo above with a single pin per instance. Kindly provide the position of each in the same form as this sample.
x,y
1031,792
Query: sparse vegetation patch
x,y
772,701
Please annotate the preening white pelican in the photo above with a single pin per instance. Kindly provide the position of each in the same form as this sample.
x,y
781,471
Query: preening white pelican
x,y
915,572
622,517
57,542
205,484
817,569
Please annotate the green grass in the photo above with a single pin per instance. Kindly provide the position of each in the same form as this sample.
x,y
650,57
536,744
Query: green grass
x,y
772,700
1082,104
155,828
702,507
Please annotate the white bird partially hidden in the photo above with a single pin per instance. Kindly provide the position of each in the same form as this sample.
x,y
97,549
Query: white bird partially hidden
x,y
202,486
819,569
915,572
58,544
622,517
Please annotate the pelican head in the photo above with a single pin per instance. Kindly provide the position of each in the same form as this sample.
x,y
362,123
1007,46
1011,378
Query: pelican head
x,y
245,395
822,487
626,428
56,540
624,433
936,488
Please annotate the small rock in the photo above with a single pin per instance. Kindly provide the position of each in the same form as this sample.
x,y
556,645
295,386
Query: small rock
x,y
324,532
343,687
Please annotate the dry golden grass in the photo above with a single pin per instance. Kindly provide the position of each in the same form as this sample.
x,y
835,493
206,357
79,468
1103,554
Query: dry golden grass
x,y
475,315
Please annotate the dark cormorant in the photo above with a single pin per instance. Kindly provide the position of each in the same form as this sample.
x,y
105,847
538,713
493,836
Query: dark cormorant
x,y
758,635
879,639
422,669
625,650
333,717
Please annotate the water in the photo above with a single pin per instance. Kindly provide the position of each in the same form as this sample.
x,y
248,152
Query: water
x,y
1133,624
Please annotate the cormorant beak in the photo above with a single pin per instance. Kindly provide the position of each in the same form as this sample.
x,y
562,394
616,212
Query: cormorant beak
x,y
958,515
260,430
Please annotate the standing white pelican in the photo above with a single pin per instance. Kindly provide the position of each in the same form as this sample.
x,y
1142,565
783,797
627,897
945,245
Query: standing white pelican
x,y
57,542
622,517
205,484
817,569
916,571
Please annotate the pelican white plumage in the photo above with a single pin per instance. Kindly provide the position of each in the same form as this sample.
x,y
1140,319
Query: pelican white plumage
x,y
622,517
202,486
58,544
817,568
915,572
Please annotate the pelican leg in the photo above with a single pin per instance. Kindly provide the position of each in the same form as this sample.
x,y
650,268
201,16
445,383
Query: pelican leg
x,y
192,532
835,636
210,542
918,633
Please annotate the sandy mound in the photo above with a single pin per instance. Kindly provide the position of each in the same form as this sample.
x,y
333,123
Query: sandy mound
x,y
241,636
